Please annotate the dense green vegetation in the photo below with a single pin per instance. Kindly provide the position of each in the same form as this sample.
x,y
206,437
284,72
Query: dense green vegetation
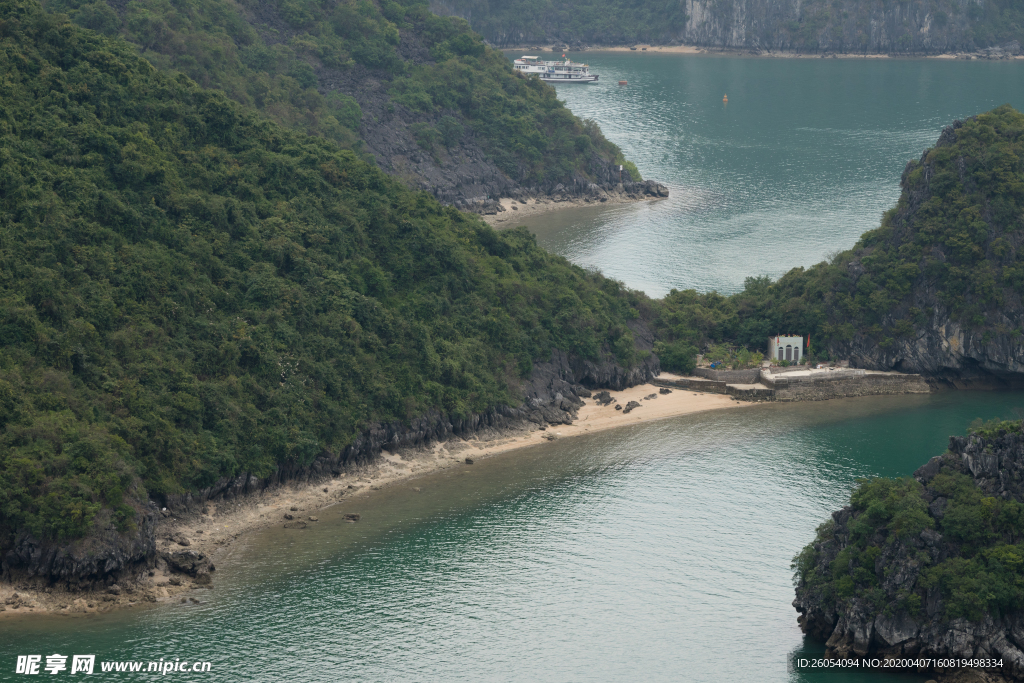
x,y
526,130
954,236
984,573
213,43
189,291
276,59
593,21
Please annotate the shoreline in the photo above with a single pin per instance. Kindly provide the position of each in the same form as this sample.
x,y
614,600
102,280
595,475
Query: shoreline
x,y
535,206
213,533
644,48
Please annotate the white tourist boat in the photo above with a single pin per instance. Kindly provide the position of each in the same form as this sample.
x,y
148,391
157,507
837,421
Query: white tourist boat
x,y
566,71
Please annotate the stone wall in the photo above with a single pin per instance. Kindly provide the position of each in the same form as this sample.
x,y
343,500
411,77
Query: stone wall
x,y
838,385
747,376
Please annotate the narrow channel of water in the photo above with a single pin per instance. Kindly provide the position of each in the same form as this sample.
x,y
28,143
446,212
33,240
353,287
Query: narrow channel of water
x,y
803,159
658,552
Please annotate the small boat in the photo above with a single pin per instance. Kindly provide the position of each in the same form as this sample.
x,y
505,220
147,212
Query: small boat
x,y
566,71
623,82
725,99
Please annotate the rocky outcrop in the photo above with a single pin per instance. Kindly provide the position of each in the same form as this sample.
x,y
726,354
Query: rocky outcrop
x,y
196,565
857,627
552,395
90,563
458,169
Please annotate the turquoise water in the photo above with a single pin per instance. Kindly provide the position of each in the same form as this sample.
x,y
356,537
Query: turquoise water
x,y
658,552
803,159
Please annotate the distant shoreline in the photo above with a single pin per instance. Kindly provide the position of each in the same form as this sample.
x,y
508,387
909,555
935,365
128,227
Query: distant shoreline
x,y
746,52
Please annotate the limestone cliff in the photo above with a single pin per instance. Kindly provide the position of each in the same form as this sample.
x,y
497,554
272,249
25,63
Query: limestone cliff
x,y
870,26
946,351
863,26
943,268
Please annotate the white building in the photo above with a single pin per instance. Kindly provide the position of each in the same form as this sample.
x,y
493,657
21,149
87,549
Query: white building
x,y
784,347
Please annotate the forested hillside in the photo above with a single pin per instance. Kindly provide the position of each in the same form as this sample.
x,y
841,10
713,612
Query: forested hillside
x,y
189,291
937,288
592,22
419,93
805,26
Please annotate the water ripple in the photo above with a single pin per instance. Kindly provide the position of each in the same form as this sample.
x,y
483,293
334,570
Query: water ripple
x,y
804,158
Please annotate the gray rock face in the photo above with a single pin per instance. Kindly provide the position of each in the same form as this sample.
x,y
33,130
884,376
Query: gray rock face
x,y
862,27
896,629
100,559
943,350
858,628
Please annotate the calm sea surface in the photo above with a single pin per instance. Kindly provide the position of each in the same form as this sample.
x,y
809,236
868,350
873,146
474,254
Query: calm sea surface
x,y
803,159
658,552
654,553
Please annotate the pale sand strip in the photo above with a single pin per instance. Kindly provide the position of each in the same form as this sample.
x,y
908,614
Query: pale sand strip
x,y
730,51
727,51
226,522
594,418
532,207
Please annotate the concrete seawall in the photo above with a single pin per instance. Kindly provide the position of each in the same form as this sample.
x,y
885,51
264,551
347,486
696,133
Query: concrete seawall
x,y
692,384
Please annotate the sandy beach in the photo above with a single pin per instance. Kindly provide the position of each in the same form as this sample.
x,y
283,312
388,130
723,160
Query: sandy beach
x,y
224,522
532,207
